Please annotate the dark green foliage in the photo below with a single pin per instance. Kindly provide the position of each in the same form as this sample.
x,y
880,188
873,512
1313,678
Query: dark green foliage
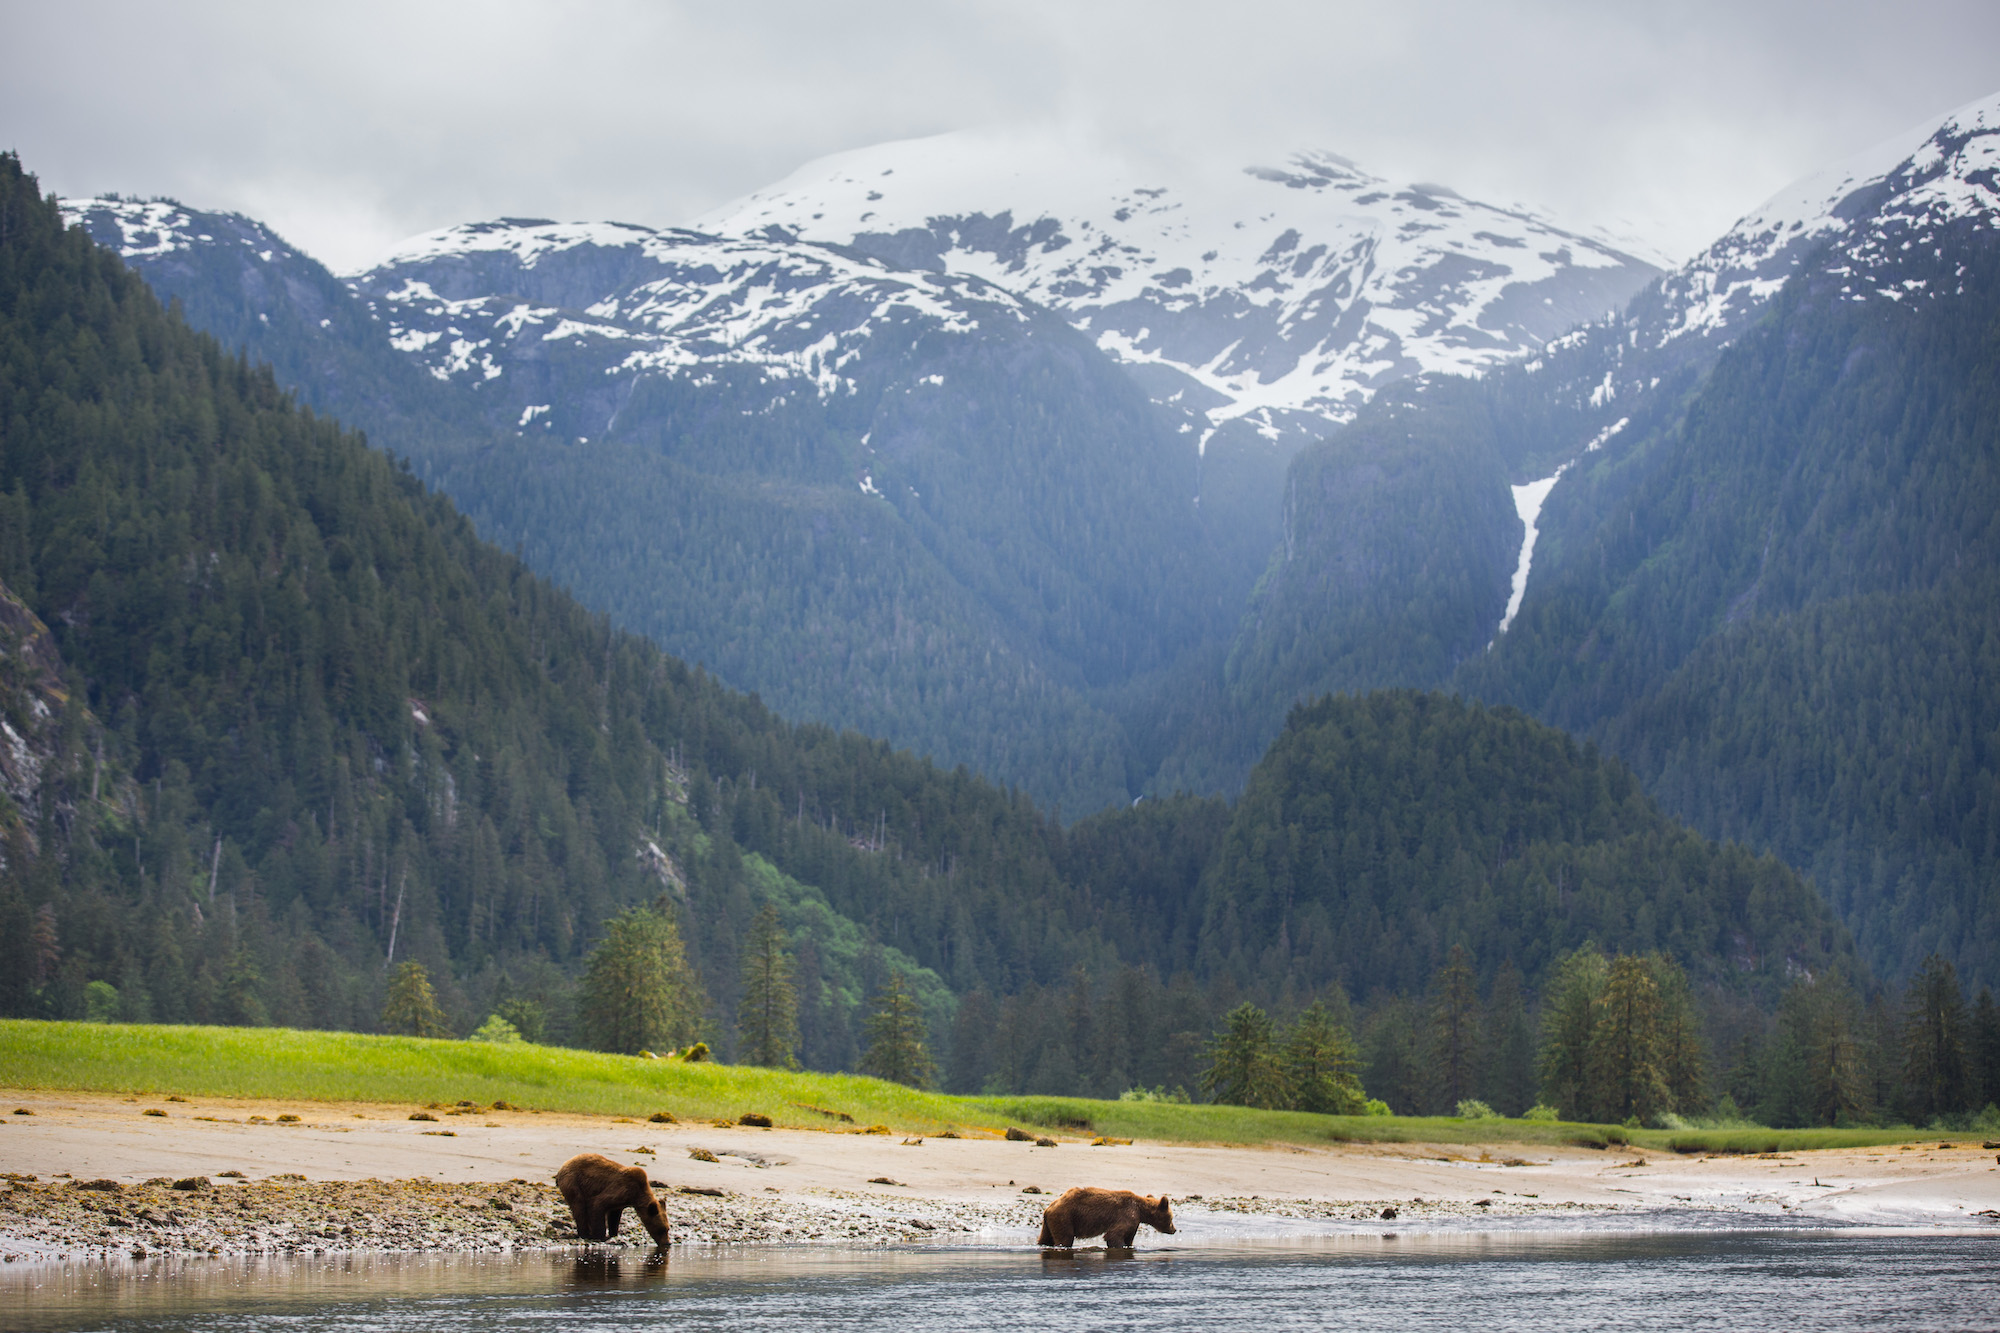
x,y
1825,1044
638,993
1318,1062
1028,560
767,1018
898,1049
1244,1068
298,721
1397,548
411,1006
1509,1082
1985,1049
1620,1039
1378,832
1457,1059
1936,1080
1780,603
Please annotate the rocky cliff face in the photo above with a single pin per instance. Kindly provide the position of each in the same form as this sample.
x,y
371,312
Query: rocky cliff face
x,y
32,700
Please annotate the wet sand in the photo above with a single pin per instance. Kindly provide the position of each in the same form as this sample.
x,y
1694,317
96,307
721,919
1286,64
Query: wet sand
x,y
354,1176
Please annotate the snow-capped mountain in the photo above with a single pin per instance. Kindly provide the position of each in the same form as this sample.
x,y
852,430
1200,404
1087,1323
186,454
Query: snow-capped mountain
x,y
577,313
1271,294
1900,194
1442,514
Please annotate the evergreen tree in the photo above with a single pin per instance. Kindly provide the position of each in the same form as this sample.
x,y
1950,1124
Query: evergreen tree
x,y
768,1017
1455,1031
638,992
1934,1064
1244,1067
1825,1046
1683,1053
1510,1046
1627,1078
972,1033
411,1009
1569,1021
1986,1048
1318,1063
897,1049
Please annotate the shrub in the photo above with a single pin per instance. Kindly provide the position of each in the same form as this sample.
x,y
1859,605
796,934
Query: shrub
x,y
496,1029
1474,1109
1376,1106
1540,1111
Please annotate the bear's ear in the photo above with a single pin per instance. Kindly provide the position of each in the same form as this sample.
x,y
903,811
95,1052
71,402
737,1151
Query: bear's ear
x,y
1165,1202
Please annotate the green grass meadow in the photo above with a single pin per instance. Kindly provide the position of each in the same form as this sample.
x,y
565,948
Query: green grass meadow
x,y
292,1064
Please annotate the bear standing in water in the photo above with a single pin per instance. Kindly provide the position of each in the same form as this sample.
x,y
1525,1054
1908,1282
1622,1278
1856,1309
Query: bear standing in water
x,y
598,1191
1113,1214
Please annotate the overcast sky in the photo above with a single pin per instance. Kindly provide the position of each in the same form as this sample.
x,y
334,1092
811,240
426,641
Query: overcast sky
x,y
351,126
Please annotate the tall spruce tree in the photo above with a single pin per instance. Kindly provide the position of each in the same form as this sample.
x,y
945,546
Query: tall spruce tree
x,y
1934,1064
1627,1076
1683,1053
1986,1048
1455,1030
1244,1068
1825,1029
1509,1084
1318,1063
767,1019
411,1008
1569,1020
897,1049
638,992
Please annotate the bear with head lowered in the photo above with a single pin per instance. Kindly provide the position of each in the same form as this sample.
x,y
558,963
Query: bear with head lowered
x,y
598,1191
1113,1214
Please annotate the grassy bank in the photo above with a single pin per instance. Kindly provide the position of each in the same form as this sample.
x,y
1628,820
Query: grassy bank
x,y
285,1063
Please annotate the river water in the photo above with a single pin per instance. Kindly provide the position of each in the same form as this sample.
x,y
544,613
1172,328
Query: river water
x,y
1492,1282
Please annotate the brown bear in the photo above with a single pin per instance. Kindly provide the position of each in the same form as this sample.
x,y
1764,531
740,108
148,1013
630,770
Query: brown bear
x,y
1113,1214
598,1191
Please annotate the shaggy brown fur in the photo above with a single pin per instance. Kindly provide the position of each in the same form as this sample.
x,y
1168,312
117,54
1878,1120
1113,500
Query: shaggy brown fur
x,y
598,1191
1113,1214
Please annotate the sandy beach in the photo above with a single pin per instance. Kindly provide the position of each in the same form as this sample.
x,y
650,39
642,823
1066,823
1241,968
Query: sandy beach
x,y
354,1176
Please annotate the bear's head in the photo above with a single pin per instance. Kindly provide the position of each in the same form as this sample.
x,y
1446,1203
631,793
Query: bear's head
x,y
654,1219
1160,1214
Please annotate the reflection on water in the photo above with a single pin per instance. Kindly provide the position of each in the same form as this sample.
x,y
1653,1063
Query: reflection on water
x,y
1493,1281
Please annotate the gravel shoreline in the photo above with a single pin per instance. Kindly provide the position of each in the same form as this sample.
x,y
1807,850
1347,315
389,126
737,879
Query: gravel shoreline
x,y
103,1220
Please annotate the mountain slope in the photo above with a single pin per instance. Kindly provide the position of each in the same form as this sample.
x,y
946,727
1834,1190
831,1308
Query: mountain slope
x,y
883,500
1761,558
964,499
306,713
1280,298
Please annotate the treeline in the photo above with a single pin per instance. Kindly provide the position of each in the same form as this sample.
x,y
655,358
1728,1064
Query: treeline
x,y
294,725
1027,560
1779,603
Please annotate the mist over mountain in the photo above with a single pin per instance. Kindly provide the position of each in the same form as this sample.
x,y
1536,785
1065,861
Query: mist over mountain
x,y
955,492
1278,298
1789,441
278,718
1084,476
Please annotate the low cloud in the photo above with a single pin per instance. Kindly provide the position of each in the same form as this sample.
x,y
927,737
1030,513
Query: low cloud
x,y
350,127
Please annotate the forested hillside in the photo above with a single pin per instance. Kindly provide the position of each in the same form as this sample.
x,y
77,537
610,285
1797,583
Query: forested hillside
x,y
915,507
1781,606
1763,570
288,722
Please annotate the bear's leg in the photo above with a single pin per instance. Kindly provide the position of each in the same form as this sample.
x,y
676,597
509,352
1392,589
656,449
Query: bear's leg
x,y
612,1216
590,1222
1121,1237
1047,1237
